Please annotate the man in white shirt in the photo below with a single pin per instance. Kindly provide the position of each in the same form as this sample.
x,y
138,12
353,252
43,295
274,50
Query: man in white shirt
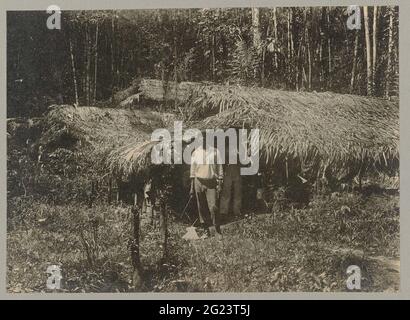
x,y
206,179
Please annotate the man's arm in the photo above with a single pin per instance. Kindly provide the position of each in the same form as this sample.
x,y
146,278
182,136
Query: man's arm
x,y
219,172
219,167
193,165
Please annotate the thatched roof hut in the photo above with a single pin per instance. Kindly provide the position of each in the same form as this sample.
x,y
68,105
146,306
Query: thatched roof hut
x,y
328,129
320,130
108,135
334,129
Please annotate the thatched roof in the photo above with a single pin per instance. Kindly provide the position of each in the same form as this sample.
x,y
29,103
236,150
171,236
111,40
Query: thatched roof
x,y
334,128
159,91
319,129
113,136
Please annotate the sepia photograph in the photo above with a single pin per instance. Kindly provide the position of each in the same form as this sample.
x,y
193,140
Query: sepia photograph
x,y
245,149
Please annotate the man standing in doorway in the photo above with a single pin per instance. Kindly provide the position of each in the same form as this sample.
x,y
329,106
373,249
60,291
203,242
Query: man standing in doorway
x,y
206,180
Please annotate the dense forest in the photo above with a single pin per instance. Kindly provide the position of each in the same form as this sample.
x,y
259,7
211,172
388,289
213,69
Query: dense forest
x,y
84,195
97,53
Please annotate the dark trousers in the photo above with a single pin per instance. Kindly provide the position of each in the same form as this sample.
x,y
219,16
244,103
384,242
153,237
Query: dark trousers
x,y
205,192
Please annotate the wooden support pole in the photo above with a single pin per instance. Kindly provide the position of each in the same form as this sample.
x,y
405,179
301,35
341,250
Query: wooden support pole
x,y
109,190
135,246
164,227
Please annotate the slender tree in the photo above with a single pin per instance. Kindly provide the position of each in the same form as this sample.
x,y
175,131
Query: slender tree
x,y
275,35
74,71
255,28
390,51
354,62
321,56
112,55
329,48
290,60
309,55
368,51
95,64
374,61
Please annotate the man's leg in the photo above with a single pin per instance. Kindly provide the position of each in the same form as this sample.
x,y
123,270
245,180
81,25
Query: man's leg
x,y
203,212
211,199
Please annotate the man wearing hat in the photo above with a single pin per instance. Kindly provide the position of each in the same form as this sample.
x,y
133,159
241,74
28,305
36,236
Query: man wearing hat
x,y
206,179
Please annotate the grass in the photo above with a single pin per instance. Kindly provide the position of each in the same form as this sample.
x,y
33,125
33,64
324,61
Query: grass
x,y
292,250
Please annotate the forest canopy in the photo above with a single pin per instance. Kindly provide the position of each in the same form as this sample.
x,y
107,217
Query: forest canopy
x,y
97,53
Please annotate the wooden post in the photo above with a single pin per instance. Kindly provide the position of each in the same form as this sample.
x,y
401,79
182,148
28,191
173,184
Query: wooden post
x,y
117,195
164,227
135,246
152,213
109,190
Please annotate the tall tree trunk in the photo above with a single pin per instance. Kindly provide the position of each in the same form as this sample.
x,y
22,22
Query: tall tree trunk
x,y
264,57
135,245
112,57
329,50
263,67
389,52
175,53
354,63
374,64
256,36
292,43
368,51
120,55
297,67
309,56
213,56
275,34
74,72
321,59
290,47
95,64
255,28
88,64
288,38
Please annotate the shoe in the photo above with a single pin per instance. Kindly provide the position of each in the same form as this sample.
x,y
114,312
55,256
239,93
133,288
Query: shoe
x,y
204,236
218,236
207,232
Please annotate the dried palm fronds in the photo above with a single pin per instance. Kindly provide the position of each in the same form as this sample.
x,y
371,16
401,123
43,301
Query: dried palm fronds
x,y
333,129
116,137
321,130
160,91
